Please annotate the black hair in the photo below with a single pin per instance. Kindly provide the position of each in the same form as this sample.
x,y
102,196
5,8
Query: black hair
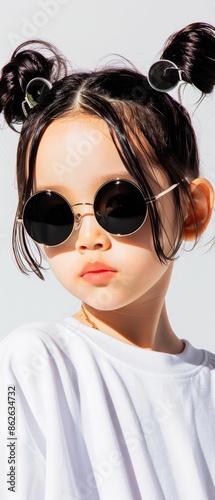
x,y
132,109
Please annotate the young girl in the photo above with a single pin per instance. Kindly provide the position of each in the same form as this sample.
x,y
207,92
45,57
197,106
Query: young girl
x,y
109,403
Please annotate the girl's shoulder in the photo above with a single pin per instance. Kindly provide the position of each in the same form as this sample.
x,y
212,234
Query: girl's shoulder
x,y
36,364
38,356
28,334
33,342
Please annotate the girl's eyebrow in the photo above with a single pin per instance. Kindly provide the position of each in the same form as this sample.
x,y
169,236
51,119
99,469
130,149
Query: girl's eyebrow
x,y
102,179
121,175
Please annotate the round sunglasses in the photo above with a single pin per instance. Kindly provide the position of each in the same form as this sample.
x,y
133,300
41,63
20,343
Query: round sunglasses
x,y
35,91
164,75
119,207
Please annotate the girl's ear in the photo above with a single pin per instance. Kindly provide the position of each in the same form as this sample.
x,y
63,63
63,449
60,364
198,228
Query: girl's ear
x,y
203,201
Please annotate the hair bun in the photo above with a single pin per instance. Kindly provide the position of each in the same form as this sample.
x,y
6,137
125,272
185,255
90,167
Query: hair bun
x,y
26,64
192,49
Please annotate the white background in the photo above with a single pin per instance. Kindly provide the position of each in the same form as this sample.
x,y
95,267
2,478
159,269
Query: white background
x,y
86,31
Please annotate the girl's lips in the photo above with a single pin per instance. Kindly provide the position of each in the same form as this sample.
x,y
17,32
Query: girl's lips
x,y
99,277
96,272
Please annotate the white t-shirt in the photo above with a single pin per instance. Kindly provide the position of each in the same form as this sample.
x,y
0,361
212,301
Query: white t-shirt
x,y
100,419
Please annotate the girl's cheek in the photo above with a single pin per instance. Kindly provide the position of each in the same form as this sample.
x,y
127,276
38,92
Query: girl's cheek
x,y
60,250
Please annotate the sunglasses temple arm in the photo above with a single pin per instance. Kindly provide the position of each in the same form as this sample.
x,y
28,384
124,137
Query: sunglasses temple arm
x,y
24,108
154,198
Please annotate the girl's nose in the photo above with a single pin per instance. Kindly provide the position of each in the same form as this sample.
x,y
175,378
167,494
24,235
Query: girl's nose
x,y
91,236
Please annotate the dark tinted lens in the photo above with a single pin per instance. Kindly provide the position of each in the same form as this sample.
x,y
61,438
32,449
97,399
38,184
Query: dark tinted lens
x,y
163,75
120,207
36,90
48,218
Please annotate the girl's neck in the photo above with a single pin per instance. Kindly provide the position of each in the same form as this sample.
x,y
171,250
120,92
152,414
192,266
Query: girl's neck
x,y
140,328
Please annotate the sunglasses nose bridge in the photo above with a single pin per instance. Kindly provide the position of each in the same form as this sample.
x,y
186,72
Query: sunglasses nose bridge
x,y
78,217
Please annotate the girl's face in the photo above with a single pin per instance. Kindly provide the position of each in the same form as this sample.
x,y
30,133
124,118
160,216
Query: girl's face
x,y
75,157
